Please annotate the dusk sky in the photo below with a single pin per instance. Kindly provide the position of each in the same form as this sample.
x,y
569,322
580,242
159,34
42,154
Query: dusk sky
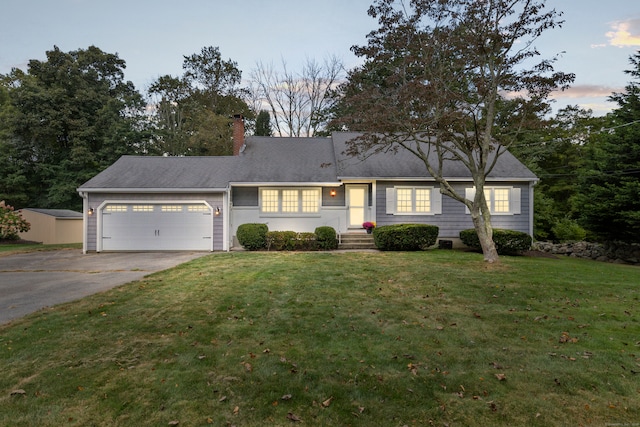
x,y
152,36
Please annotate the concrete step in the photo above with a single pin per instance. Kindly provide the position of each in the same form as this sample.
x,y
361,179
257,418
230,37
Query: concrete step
x,y
356,241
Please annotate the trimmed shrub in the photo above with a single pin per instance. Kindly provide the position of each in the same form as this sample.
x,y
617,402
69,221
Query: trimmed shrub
x,y
326,238
291,241
508,242
252,236
405,237
281,240
306,242
568,230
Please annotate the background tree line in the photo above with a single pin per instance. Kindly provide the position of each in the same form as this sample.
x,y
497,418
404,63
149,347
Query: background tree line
x,y
66,118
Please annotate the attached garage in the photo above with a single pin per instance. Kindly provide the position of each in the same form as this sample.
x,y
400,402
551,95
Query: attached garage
x,y
155,226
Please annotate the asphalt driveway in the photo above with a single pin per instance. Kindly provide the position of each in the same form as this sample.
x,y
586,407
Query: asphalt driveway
x,y
32,281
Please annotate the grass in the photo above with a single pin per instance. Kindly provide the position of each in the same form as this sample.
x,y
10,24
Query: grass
x,y
349,339
9,248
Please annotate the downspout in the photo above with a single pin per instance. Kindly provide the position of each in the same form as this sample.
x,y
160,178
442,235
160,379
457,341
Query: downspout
x,y
531,201
85,220
226,219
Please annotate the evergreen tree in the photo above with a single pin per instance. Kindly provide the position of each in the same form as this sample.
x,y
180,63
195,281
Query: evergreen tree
x,y
263,124
610,190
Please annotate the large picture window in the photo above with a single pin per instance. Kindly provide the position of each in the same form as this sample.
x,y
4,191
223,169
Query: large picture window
x,y
290,200
403,200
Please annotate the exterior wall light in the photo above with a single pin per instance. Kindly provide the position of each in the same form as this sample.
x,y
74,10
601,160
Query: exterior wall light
x,y
90,212
333,192
217,211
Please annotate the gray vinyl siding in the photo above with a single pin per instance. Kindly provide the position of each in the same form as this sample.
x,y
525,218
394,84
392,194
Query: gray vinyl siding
x,y
453,218
214,199
244,196
337,201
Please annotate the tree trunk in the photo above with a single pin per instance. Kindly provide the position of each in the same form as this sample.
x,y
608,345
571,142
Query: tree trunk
x,y
482,224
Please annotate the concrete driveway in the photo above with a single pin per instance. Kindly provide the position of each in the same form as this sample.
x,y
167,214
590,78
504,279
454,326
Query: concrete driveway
x,y
32,281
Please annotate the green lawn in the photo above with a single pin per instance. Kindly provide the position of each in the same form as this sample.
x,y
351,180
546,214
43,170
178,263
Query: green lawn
x,y
336,339
8,248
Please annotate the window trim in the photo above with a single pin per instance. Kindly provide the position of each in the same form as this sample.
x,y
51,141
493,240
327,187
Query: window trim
x,y
515,199
300,207
435,200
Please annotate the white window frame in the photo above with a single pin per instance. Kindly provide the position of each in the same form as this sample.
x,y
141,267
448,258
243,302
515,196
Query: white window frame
x,y
435,200
285,205
514,199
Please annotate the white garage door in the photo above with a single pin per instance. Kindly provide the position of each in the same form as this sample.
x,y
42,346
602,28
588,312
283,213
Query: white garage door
x,y
156,227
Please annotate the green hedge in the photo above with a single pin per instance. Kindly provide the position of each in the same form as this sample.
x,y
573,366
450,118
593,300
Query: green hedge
x,y
291,241
326,238
252,237
405,237
508,242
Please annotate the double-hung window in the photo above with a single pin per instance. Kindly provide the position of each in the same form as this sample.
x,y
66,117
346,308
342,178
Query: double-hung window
x,y
290,201
406,200
501,200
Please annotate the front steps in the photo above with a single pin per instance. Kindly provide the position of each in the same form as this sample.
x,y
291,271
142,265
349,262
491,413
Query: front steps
x,y
351,241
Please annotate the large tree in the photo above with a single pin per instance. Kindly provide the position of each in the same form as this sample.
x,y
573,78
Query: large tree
x,y
609,202
434,77
64,120
193,112
298,101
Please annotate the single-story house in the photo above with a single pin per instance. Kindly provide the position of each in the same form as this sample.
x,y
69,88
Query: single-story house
x,y
52,226
146,203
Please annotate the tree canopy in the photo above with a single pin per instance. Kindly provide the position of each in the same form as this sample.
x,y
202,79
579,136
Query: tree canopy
x,y
609,190
193,112
63,120
436,79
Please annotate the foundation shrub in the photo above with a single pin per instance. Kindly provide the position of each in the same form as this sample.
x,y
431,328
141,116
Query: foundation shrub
x,y
253,236
405,237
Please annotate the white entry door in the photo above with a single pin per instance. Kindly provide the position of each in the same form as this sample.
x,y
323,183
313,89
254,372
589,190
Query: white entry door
x,y
357,204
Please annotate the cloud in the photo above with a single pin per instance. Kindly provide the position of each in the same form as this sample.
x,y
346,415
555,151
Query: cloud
x,y
625,33
586,91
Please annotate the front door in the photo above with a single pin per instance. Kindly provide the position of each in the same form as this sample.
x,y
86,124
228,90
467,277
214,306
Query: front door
x,y
357,204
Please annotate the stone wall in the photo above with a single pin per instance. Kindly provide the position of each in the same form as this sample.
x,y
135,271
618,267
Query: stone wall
x,y
616,252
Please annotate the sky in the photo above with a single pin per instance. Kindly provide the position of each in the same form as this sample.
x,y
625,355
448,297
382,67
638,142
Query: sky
x,y
153,36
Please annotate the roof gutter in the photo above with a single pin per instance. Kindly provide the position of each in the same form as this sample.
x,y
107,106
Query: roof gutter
x,y
82,190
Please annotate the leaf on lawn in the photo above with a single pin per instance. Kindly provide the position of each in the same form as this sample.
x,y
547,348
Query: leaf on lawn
x,y
286,397
477,316
293,417
222,399
18,392
565,337
413,368
174,423
492,406
247,366
501,377
327,402
236,410
496,365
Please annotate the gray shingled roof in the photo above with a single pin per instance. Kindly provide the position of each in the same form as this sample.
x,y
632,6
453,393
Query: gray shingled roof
x,y
57,213
278,160
267,159
403,164
153,172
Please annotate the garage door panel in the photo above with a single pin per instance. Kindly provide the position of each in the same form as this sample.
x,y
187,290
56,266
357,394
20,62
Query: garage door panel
x,y
157,227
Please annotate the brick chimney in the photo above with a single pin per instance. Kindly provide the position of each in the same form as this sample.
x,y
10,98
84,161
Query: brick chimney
x,y
238,134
